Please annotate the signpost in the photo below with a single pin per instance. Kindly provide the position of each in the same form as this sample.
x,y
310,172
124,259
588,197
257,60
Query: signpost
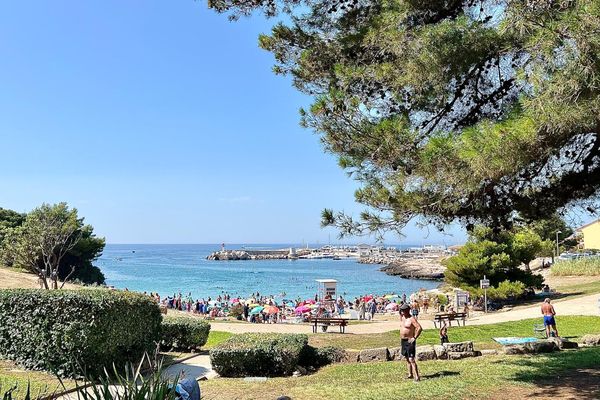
x,y
485,284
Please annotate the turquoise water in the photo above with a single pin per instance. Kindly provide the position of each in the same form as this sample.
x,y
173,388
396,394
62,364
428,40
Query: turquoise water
x,y
168,269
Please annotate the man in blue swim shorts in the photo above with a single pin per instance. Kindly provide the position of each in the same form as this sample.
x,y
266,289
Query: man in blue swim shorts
x,y
549,322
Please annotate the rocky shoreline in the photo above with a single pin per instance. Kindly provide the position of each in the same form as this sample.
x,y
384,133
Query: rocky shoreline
x,y
415,268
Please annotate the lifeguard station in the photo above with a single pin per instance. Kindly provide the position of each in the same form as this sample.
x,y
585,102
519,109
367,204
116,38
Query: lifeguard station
x,y
326,293
326,289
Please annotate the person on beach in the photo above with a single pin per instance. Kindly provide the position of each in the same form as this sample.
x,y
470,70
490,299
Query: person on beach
x,y
444,334
410,329
549,321
414,309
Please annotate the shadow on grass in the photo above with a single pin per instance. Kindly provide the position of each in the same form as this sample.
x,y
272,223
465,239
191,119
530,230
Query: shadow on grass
x,y
573,374
440,374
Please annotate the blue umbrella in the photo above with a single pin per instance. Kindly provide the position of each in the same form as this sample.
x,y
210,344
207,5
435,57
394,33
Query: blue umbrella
x,y
257,310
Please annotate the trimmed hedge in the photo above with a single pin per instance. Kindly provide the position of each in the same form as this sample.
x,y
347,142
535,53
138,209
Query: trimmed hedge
x,y
63,331
317,357
255,354
183,333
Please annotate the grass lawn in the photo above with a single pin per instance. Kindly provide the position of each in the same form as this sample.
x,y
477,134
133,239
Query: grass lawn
x,y
216,337
41,382
589,266
581,289
571,327
475,378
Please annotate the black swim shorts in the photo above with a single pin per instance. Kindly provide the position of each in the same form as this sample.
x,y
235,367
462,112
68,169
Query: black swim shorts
x,y
408,349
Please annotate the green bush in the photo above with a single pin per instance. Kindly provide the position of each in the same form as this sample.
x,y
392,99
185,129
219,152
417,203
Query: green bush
x,y
317,357
505,290
63,331
183,333
254,354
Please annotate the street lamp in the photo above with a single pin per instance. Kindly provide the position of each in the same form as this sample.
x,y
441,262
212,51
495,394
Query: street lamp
x,y
557,250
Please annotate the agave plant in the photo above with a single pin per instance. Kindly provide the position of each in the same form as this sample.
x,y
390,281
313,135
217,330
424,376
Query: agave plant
x,y
132,384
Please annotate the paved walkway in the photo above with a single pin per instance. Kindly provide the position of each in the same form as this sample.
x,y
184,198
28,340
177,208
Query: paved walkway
x,y
196,367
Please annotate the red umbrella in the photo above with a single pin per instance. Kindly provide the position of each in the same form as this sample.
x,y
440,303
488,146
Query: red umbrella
x,y
271,310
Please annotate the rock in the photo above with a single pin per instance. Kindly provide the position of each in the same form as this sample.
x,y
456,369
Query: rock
x,y
368,355
440,352
514,349
296,374
458,355
301,370
563,344
541,346
414,268
425,353
459,347
350,356
395,353
591,340
489,352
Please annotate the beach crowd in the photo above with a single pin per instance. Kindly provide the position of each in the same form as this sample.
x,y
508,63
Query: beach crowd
x,y
259,308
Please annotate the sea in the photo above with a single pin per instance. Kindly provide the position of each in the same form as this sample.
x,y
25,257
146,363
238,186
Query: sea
x,y
173,268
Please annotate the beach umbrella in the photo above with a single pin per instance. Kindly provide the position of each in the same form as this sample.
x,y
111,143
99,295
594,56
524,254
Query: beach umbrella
x,y
271,310
291,304
302,309
392,307
310,301
235,300
367,298
257,310
253,305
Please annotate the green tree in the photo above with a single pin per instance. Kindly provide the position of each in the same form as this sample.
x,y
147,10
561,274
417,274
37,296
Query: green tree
x,y
473,111
9,219
497,255
53,242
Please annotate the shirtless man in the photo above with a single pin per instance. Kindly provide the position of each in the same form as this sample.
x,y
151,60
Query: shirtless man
x,y
410,329
549,313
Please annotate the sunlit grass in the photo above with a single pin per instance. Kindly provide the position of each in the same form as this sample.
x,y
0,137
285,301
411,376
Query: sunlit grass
x,y
588,266
476,378
569,326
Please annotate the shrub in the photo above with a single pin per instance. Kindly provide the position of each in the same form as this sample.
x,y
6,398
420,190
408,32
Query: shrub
x,y
183,333
505,290
316,357
63,331
253,354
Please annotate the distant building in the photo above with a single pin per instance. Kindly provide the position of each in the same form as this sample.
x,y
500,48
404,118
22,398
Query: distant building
x,y
591,235
364,250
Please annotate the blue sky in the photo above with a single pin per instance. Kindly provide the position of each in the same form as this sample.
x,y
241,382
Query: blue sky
x,y
162,123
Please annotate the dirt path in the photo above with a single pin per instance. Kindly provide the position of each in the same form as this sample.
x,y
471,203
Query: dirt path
x,y
13,280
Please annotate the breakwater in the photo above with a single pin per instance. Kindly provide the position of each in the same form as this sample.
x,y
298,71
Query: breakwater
x,y
246,254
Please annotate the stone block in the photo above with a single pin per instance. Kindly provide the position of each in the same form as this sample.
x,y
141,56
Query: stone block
x,y
514,349
542,346
350,356
591,340
489,352
425,353
440,352
459,347
369,355
563,343
458,355
395,353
